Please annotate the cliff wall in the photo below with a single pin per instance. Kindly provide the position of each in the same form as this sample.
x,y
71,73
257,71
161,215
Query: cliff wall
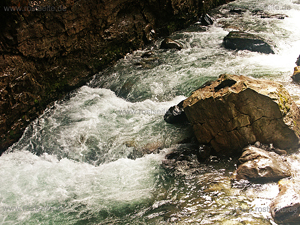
x,y
51,47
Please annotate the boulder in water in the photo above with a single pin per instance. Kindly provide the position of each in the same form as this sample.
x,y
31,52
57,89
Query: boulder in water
x,y
237,10
262,166
168,43
298,61
238,40
176,114
285,208
234,111
264,14
206,20
296,75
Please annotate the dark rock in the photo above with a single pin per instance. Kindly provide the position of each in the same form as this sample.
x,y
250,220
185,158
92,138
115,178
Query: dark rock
x,y
235,111
264,14
204,152
148,54
296,75
237,11
207,20
150,32
238,40
285,208
168,43
183,159
261,166
298,61
176,114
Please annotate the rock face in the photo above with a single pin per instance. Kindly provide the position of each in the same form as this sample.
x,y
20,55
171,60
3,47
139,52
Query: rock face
x,y
46,54
238,40
168,43
235,111
296,75
261,166
285,208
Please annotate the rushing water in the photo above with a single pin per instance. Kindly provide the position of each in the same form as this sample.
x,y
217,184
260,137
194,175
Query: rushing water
x,y
82,161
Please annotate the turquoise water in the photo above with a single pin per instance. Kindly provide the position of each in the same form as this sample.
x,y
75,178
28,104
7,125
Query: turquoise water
x,y
83,161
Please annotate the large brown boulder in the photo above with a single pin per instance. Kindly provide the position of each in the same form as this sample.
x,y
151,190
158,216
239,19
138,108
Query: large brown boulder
x,y
235,111
262,166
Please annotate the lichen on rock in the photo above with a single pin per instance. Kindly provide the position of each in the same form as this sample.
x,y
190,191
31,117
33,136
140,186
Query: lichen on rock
x,y
235,111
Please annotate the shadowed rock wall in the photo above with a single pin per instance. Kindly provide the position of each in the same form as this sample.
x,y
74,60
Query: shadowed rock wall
x,y
45,54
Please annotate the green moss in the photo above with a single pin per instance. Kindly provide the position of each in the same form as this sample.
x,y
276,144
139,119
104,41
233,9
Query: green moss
x,y
283,102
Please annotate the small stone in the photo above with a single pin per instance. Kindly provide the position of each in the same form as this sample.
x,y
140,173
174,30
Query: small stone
x,y
176,114
168,43
296,75
298,61
207,20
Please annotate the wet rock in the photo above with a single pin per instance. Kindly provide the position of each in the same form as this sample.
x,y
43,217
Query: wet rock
x,y
264,14
285,208
168,43
148,54
296,74
298,61
148,60
150,32
270,148
183,159
262,166
238,40
207,20
234,111
237,11
176,114
140,151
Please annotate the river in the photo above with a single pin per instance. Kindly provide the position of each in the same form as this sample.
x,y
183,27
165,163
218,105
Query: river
x,y
81,162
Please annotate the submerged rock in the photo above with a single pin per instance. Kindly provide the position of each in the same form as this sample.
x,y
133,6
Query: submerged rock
x,y
168,43
238,40
262,166
237,10
296,74
176,114
285,208
235,111
206,20
264,14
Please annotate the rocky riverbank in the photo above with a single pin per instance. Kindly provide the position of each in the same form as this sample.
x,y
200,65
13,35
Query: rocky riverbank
x,y
233,115
49,48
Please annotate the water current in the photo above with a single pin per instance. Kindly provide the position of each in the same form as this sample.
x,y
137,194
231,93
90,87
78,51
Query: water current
x,y
83,161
